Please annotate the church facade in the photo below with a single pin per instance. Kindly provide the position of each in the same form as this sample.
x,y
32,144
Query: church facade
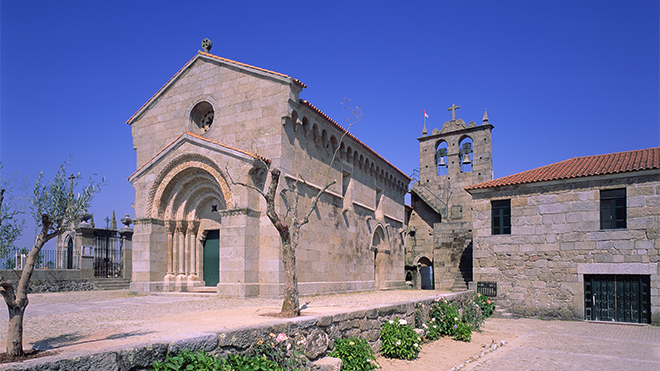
x,y
217,123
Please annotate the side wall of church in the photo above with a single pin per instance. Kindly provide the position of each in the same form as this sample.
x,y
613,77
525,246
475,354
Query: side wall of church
x,y
556,239
338,250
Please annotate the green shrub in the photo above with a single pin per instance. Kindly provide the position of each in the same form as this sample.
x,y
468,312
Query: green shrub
x,y
470,313
444,315
486,305
463,332
244,362
399,340
192,361
283,350
355,353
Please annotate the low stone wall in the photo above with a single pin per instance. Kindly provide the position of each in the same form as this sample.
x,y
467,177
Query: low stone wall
x,y
319,331
52,280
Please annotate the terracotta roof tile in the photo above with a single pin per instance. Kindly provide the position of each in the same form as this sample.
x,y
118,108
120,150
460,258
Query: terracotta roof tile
x,y
578,167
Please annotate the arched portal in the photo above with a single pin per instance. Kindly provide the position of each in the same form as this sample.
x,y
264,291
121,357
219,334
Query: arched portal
x,y
378,246
189,199
426,273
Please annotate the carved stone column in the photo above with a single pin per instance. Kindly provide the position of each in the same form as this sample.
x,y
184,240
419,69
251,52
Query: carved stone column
x,y
191,249
181,243
171,227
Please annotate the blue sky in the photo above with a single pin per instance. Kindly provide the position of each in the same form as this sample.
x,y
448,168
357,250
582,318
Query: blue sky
x,y
560,79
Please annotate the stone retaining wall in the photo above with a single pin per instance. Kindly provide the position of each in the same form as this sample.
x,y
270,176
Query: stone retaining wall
x,y
320,331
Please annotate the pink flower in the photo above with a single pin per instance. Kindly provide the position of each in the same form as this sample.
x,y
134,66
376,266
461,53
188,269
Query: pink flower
x,y
288,346
488,301
280,338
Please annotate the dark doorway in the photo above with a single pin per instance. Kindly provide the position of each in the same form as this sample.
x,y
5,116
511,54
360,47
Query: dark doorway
x,y
212,258
426,274
465,264
617,298
69,254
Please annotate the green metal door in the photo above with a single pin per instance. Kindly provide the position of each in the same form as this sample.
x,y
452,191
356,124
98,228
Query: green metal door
x,y
212,258
620,298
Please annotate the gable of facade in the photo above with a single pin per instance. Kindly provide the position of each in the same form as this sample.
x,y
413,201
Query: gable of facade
x,y
217,122
578,239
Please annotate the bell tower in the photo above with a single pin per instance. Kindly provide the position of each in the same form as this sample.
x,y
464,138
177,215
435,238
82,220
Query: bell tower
x,y
450,159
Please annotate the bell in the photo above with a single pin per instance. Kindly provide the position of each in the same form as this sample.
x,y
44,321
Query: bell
x,y
466,160
442,162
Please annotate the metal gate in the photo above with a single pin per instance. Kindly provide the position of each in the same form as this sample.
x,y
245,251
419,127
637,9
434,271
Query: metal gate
x,y
617,298
107,255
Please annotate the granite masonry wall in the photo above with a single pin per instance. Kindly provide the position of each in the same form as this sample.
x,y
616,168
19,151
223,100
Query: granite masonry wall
x,y
556,239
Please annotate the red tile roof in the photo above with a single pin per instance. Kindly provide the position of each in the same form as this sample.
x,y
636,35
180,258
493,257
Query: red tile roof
x,y
578,167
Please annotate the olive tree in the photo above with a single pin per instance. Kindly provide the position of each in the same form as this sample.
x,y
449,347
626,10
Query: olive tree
x,y
54,207
288,226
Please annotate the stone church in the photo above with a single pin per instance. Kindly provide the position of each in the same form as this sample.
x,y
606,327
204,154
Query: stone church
x,y
218,122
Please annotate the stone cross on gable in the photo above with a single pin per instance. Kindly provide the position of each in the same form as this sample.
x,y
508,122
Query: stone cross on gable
x,y
453,109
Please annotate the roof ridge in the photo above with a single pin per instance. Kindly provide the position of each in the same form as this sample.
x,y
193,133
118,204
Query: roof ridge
x,y
584,166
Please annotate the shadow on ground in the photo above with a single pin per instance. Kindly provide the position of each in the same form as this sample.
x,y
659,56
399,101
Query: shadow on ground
x,y
76,338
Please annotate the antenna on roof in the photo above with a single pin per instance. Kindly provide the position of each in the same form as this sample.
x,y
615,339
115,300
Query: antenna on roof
x,y
207,45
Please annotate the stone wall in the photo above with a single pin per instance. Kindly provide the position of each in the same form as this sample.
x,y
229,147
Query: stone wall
x,y
319,331
53,280
556,239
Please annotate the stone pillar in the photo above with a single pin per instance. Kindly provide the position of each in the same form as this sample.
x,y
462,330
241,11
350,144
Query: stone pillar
x,y
191,247
181,247
169,277
126,234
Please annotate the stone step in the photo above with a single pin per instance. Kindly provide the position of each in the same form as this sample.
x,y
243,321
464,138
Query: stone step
x,y
502,313
205,289
112,283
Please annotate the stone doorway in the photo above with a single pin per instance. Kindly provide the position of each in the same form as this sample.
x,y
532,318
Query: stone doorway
x,y
426,274
378,245
212,258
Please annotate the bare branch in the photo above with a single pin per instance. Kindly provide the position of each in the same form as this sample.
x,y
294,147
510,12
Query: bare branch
x,y
243,184
316,200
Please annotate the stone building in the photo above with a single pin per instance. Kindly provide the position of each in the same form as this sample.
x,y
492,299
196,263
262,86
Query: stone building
x,y
439,232
578,239
194,229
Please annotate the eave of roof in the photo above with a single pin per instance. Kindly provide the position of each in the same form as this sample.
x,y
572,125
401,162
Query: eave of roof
x,y
348,134
580,167
199,55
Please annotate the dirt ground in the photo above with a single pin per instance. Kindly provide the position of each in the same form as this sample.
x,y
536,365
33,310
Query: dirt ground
x,y
445,353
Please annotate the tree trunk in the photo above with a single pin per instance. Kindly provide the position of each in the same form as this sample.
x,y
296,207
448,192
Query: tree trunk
x,y
15,331
17,300
291,304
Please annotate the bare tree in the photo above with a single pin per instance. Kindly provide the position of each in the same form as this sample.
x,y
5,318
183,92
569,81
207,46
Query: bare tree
x,y
290,232
54,208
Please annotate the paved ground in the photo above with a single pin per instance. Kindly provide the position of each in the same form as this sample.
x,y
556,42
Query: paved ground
x,y
94,320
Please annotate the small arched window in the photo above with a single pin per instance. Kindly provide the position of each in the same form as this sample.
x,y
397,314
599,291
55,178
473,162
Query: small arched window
x,y
465,155
442,158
